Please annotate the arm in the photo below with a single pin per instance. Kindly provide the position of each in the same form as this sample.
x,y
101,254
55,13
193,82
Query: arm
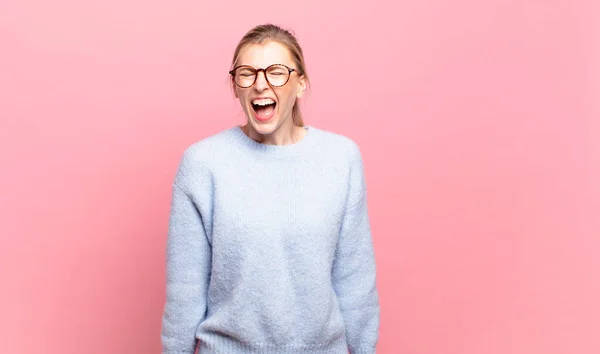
x,y
354,278
188,257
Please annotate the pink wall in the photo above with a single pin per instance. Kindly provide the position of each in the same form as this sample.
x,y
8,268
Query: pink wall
x,y
478,121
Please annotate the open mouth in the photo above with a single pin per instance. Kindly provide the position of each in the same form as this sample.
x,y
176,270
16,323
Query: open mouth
x,y
264,108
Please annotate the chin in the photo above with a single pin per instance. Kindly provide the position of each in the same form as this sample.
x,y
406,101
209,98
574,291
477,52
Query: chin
x,y
265,128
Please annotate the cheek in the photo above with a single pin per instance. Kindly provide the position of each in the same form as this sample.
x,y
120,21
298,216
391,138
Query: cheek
x,y
242,96
287,98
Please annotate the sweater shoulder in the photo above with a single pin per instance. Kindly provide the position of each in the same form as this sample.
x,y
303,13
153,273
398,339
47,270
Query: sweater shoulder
x,y
348,154
343,146
208,147
199,158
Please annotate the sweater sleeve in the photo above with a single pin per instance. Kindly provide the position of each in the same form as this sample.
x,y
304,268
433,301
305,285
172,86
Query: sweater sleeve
x,y
188,261
353,272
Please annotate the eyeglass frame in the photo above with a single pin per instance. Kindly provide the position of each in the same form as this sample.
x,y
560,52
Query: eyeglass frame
x,y
290,70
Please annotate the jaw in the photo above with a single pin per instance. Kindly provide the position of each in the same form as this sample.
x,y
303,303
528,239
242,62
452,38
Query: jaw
x,y
277,123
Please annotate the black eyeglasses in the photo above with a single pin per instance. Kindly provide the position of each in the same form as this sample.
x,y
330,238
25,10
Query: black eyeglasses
x,y
277,75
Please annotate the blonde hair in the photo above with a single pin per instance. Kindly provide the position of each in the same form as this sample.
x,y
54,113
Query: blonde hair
x,y
272,33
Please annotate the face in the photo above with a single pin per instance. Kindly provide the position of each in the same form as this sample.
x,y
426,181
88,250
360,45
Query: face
x,y
269,108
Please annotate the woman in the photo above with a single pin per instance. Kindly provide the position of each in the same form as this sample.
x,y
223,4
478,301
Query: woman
x,y
269,246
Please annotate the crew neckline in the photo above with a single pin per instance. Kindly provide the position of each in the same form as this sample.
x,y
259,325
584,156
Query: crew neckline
x,y
289,150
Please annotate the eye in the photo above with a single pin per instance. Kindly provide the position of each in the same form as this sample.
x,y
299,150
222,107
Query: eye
x,y
246,72
277,70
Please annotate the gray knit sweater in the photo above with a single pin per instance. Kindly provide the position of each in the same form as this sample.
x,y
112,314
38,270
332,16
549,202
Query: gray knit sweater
x,y
269,248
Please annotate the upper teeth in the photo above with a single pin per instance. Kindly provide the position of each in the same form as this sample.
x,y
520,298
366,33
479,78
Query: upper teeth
x,y
263,102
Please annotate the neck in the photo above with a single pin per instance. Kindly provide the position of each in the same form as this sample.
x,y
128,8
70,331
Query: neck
x,y
283,135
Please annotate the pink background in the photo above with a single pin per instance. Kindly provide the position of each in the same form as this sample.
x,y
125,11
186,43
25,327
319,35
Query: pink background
x,y
479,122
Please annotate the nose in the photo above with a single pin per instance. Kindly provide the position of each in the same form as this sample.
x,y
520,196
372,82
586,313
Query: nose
x,y
261,83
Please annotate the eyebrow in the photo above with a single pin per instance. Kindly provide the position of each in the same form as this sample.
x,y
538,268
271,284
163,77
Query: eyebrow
x,y
252,66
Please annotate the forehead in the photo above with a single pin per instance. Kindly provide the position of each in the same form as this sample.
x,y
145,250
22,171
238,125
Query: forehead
x,y
263,55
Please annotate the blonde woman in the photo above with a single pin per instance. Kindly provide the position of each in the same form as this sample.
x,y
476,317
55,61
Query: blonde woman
x,y
269,246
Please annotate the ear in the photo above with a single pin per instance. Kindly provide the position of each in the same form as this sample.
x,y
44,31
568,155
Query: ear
x,y
234,88
301,86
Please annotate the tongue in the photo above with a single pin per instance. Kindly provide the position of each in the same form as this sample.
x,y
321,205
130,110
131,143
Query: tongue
x,y
265,111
